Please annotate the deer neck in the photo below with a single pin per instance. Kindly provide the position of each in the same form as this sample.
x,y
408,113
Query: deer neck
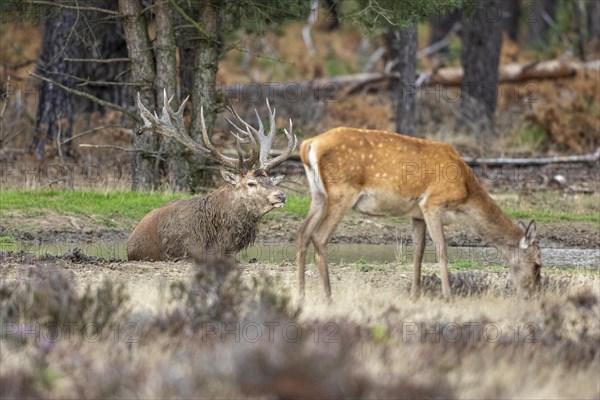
x,y
493,225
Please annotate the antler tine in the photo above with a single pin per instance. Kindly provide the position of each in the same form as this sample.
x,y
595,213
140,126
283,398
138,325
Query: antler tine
x,y
261,141
291,146
265,140
247,136
226,161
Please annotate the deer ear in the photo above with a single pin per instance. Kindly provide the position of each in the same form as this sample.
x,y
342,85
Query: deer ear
x,y
276,180
230,177
529,237
530,232
521,225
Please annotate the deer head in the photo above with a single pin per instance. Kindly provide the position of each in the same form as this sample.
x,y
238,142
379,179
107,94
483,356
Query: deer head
x,y
249,178
527,262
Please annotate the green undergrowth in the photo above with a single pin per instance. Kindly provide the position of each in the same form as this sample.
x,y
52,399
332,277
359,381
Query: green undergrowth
x,y
109,208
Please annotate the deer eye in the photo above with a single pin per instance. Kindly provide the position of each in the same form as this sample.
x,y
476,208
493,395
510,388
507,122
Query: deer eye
x,y
251,184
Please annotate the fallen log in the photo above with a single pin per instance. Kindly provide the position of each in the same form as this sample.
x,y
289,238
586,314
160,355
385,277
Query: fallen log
x,y
324,88
524,162
511,73
492,162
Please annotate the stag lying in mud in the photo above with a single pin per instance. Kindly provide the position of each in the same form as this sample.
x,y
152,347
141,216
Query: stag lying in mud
x,y
226,220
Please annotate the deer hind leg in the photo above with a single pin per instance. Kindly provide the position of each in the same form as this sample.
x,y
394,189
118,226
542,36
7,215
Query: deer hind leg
x,y
337,206
418,238
433,219
316,212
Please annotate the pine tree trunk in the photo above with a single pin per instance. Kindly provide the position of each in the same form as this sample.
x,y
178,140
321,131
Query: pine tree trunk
x,y
177,169
402,50
511,13
204,94
104,39
142,73
537,22
579,16
186,39
55,105
78,34
440,25
480,55
593,18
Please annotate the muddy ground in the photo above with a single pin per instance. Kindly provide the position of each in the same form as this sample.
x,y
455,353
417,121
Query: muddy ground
x,y
355,228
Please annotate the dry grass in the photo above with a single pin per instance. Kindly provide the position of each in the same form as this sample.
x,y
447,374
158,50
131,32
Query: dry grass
x,y
202,340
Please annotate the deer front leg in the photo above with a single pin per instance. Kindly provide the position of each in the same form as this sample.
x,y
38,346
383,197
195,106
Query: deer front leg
x,y
304,237
418,238
433,219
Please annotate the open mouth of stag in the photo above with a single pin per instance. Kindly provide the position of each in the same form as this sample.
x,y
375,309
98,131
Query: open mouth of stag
x,y
278,204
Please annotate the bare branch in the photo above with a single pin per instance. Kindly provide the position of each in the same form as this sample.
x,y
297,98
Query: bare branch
x,y
88,82
91,97
4,101
88,132
19,65
69,177
441,44
98,60
77,7
109,146
191,21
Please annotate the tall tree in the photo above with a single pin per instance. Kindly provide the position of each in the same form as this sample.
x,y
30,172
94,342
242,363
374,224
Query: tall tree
x,y
78,44
511,14
143,74
481,38
543,14
402,49
55,105
206,64
105,55
399,18
593,12
178,171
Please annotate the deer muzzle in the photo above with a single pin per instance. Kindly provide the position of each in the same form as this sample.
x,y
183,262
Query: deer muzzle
x,y
278,200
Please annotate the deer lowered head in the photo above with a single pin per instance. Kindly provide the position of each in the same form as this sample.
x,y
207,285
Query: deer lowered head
x,y
226,220
525,262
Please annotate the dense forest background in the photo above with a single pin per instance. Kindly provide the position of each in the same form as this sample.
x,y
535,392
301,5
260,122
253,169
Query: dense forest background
x,y
494,78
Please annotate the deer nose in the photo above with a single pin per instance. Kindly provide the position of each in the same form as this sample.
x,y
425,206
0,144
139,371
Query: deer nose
x,y
280,197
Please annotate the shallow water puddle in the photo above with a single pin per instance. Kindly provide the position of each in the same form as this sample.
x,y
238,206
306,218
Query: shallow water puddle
x,y
337,253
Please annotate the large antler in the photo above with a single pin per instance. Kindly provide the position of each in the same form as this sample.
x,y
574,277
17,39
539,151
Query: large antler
x,y
265,141
170,124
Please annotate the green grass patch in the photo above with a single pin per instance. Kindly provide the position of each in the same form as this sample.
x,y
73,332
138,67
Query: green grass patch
x,y
552,210
465,264
532,137
7,240
108,208
113,208
295,206
551,216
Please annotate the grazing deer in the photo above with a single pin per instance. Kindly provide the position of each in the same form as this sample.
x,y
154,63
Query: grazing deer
x,y
226,220
384,173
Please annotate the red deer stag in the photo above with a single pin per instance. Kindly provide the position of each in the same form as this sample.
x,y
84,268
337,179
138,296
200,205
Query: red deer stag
x,y
225,221
384,173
